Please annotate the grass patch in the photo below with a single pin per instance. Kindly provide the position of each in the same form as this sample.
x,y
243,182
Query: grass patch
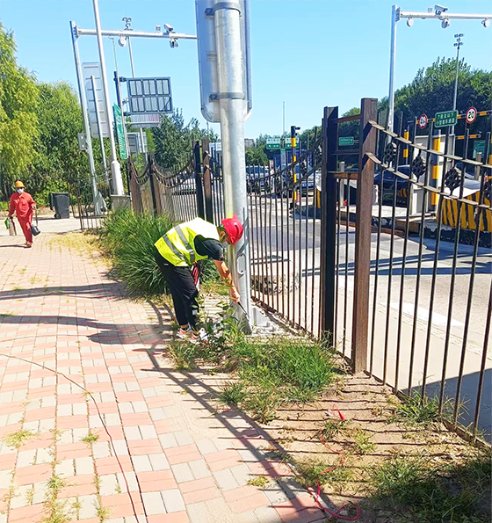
x,y
415,410
80,242
458,492
17,439
90,438
270,371
333,427
233,393
259,481
310,472
128,239
103,514
362,442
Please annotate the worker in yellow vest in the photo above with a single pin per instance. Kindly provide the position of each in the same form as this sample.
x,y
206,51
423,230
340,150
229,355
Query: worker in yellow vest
x,y
178,250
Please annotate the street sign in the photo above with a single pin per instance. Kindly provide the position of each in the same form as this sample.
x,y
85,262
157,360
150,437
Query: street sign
x,y
471,115
145,120
95,100
134,143
272,143
345,140
446,118
82,138
423,121
120,132
478,147
149,95
207,58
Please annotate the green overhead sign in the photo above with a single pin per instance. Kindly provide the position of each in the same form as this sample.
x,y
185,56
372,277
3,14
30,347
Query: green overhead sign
x,y
346,140
120,132
446,118
273,143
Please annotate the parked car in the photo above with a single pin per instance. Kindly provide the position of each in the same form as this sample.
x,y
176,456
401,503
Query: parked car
x,y
389,185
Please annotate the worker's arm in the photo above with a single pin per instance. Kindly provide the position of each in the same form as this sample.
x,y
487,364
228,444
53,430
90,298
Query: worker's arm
x,y
226,276
33,203
12,206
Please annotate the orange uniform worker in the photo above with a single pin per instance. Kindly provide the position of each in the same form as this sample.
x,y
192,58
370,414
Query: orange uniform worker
x,y
23,205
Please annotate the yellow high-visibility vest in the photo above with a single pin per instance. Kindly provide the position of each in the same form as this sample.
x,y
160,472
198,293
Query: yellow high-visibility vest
x,y
177,246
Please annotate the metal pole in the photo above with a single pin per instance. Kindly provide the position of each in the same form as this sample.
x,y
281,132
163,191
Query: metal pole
x,y
391,95
115,165
118,94
283,132
458,44
130,50
83,103
100,132
232,96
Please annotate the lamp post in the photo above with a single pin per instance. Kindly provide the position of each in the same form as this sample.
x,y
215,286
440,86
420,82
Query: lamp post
x,y
457,44
438,12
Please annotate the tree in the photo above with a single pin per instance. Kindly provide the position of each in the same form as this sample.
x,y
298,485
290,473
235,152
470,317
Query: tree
x,y
432,89
18,120
58,156
173,140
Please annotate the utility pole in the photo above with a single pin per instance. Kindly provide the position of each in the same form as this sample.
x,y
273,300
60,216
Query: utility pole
x,y
115,165
100,132
283,128
118,93
85,117
231,96
457,44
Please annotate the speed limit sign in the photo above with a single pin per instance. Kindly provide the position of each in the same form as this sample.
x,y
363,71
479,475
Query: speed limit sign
x,y
471,115
423,121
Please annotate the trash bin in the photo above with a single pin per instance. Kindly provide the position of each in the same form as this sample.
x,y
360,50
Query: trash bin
x,y
60,203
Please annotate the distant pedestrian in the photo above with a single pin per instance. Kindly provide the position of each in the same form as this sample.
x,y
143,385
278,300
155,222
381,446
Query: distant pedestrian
x,y
23,205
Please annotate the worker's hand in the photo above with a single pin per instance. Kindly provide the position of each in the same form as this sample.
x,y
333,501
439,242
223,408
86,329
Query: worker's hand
x,y
33,206
235,295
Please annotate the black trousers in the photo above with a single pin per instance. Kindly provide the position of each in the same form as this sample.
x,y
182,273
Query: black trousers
x,y
183,291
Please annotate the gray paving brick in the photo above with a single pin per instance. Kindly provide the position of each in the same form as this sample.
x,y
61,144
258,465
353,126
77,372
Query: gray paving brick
x,y
182,472
173,500
46,425
108,485
197,513
168,440
100,449
125,407
89,506
242,474
132,433
20,498
44,456
84,465
141,464
206,446
25,458
267,515
159,462
153,503
225,479
65,468
148,431
139,406
200,469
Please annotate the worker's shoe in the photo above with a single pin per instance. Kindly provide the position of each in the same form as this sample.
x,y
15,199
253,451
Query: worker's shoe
x,y
184,334
28,245
199,337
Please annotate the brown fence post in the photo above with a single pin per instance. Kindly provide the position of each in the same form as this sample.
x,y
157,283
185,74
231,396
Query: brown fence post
x,y
328,220
207,181
150,161
362,271
198,181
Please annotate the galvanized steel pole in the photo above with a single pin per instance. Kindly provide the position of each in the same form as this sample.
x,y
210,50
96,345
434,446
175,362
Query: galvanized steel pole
x,y
391,94
85,117
115,165
232,96
99,131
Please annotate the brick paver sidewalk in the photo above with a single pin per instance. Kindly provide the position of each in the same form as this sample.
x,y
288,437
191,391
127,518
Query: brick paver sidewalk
x,y
146,444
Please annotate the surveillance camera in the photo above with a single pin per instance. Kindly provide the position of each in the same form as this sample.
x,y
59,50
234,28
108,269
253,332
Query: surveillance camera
x,y
440,9
486,22
445,23
169,28
410,22
122,41
173,43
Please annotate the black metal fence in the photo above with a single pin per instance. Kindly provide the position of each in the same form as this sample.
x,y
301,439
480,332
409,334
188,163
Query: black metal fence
x,y
374,256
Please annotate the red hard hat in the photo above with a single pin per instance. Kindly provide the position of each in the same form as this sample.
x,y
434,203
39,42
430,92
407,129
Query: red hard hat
x,y
234,229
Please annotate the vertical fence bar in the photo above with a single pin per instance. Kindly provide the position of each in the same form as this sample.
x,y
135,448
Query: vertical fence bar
x,y
207,181
279,282
362,270
328,220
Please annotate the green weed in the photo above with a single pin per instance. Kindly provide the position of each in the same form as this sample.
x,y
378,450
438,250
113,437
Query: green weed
x,y
312,471
17,439
183,355
362,443
259,481
90,438
333,427
452,493
416,410
233,393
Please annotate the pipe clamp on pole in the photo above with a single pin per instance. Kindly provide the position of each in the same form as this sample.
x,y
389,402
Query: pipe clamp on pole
x,y
222,5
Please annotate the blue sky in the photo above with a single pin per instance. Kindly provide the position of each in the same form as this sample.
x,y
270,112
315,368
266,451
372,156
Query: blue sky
x,y
308,53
